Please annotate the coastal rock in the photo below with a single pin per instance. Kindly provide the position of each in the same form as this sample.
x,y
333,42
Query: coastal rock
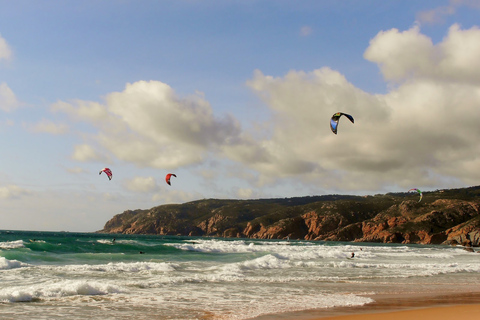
x,y
319,224
231,233
442,217
251,229
213,224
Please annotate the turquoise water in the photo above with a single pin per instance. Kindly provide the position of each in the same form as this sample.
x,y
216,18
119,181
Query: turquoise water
x,y
50,275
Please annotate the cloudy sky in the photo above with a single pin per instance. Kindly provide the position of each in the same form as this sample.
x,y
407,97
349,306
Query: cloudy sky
x,y
235,98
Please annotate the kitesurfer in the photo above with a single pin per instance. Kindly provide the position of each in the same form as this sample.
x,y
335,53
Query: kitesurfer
x,y
108,172
336,117
168,176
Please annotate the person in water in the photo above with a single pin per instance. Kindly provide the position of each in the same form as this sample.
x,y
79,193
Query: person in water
x,y
353,255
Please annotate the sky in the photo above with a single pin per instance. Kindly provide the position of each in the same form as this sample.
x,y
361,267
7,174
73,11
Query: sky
x,y
234,97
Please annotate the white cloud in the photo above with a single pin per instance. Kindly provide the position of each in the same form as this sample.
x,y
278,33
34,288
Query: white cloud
x,y
149,125
5,51
302,104
8,100
423,132
141,184
410,54
13,192
47,126
82,110
86,152
460,51
399,54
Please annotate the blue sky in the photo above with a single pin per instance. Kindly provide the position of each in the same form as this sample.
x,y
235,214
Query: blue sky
x,y
232,96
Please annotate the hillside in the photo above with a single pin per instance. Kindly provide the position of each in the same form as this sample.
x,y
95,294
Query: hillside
x,y
442,217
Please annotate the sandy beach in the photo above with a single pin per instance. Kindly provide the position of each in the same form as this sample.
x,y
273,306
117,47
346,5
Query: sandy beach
x,y
424,306
471,311
417,306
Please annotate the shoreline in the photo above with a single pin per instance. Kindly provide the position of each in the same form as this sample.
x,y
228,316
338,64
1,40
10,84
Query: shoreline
x,y
397,306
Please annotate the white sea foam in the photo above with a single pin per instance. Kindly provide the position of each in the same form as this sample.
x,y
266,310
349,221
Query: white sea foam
x,y
56,290
6,264
125,241
218,246
128,267
12,244
266,262
105,241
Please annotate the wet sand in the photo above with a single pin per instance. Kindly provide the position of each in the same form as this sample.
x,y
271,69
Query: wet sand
x,y
411,306
471,311
424,306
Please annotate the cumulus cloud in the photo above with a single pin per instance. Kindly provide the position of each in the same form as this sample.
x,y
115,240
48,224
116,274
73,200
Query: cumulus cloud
x,y
8,100
410,54
5,51
13,192
148,124
82,110
86,152
302,103
47,126
423,132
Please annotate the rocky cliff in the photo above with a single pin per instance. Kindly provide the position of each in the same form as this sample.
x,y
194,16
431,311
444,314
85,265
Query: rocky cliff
x,y
442,217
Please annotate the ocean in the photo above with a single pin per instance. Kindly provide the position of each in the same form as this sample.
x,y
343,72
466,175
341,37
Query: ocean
x,y
62,275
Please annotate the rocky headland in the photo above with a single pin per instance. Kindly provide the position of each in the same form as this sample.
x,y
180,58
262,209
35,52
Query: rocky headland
x,y
442,217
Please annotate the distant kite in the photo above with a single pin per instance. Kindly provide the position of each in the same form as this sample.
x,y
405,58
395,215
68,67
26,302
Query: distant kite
x,y
108,172
420,192
335,118
167,178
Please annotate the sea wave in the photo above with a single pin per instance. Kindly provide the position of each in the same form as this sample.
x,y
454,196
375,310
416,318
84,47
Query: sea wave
x,y
217,246
6,264
57,290
268,261
12,244
129,267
